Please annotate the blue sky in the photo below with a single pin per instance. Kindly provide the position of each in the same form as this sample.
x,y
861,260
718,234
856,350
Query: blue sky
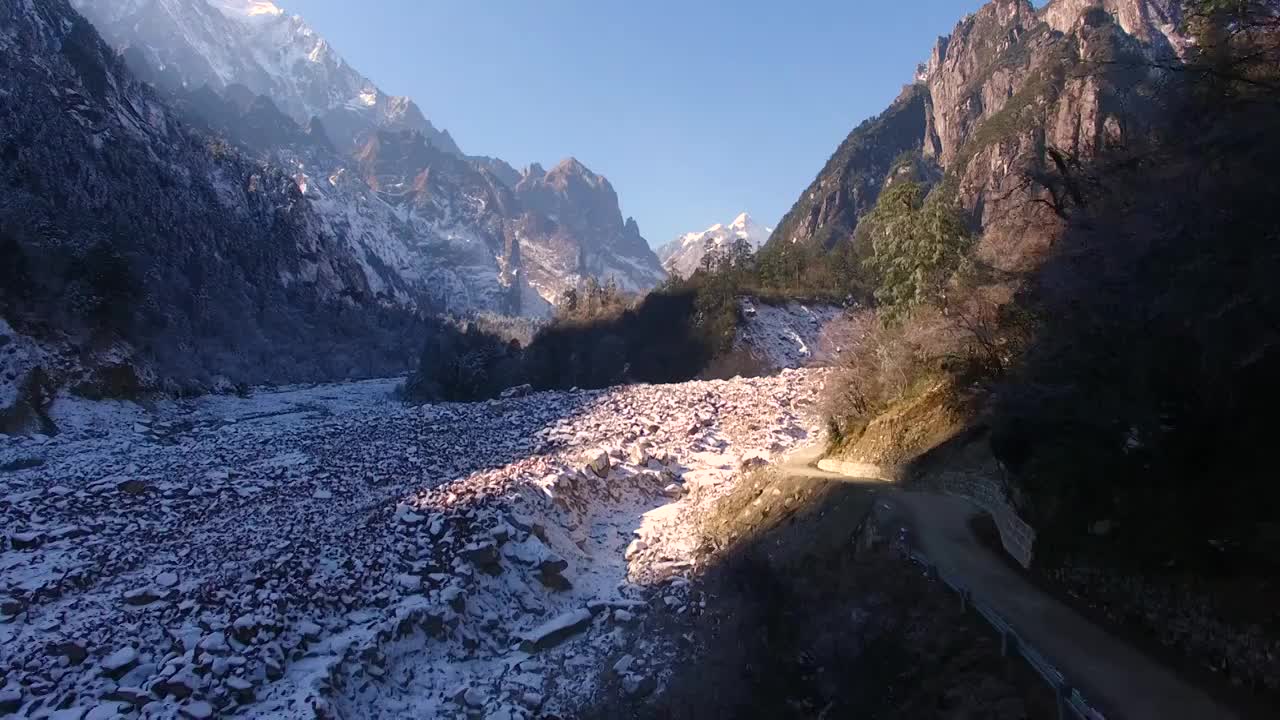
x,y
695,111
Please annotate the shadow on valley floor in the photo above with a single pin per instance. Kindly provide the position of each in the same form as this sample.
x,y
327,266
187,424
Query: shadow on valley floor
x,y
811,613
672,335
1107,616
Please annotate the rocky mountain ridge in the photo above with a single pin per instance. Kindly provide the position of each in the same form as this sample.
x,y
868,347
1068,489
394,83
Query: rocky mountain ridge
x,y
1008,84
447,226
560,209
193,43
143,253
683,255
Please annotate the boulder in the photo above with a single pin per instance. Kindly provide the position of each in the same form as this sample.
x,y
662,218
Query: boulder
x,y
109,710
598,463
199,710
73,650
26,540
10,700
555,631
406,515
119,662
516,392
624,664
180,685
141,596
636,547
482,554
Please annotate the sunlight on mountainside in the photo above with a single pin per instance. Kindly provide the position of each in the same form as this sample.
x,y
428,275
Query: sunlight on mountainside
x,y
306,412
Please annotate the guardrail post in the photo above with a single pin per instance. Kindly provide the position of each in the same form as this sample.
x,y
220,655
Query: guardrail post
x,y
1067,698
1008,643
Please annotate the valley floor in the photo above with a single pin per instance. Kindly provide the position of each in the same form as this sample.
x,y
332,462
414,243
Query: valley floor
x,y
327,551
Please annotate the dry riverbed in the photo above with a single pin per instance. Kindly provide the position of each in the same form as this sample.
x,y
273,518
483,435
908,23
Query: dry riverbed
x,y
328,552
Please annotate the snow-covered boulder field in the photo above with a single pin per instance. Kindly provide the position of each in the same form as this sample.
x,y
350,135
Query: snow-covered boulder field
x,y
328,552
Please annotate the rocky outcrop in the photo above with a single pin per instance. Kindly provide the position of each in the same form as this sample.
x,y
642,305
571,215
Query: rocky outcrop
x,y
571,227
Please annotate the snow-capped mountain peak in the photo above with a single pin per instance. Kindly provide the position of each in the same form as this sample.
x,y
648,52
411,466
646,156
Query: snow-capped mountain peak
x,y
684,255
255,43
247,9
466,234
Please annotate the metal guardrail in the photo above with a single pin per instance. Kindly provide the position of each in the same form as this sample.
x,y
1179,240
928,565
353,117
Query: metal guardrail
x,y
1071,703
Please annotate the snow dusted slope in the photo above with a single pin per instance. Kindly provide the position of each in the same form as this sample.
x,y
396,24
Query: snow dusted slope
x,y
257,44
432,229
793,335
571,226
684,255
322,552
219,271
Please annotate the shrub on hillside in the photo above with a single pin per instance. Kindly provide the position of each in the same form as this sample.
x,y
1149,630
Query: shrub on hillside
x,y
462,361
917,243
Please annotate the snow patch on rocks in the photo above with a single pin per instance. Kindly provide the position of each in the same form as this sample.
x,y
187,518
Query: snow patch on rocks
x,y
792,335
325,552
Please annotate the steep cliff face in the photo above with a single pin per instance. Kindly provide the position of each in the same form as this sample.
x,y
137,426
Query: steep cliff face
x,y
1009,84
1000,107
849,184
457,215
572,227
1154,22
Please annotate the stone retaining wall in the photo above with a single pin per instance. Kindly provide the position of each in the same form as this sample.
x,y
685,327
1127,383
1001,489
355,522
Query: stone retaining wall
x,y
1016,535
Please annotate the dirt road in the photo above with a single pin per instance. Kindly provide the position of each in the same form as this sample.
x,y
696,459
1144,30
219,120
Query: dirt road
x,y
1115,677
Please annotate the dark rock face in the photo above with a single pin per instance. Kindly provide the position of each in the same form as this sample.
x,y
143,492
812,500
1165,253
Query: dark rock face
x,y
252,120
574,227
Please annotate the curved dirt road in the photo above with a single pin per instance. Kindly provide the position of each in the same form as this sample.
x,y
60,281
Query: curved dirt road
x,y
1116,678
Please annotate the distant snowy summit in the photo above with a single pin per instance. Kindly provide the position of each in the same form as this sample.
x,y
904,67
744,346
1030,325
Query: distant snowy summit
x,y
684,255
248,8
257,44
